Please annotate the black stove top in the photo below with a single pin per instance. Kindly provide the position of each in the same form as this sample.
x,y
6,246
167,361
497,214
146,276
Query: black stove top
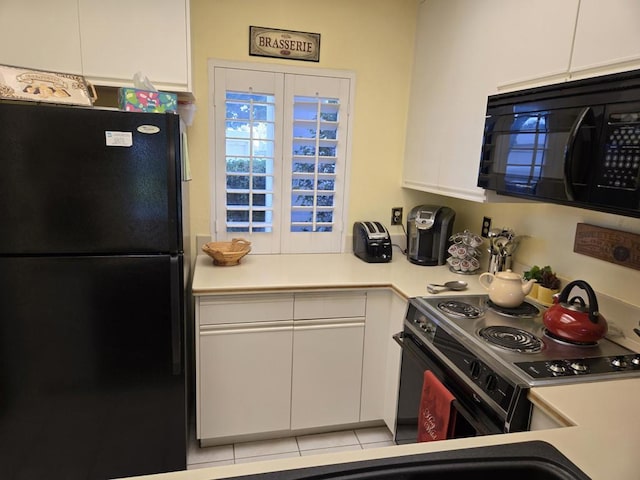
x,y
517,340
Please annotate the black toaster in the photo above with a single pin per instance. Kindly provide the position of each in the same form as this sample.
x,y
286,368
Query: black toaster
x,y
371,242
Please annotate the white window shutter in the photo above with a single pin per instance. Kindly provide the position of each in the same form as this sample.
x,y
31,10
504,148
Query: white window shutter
x,y
279,157
248,124
315,139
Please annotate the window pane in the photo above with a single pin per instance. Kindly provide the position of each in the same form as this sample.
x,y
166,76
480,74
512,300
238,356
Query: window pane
x,y
325,216
326,184
262,148
301,216
237,130
325,200
237,216
246,96
299,166
238,147
304,131
331,134
237,165
302,184
236,199
304,149
327,151
262,200
260,165
259,183
238,111
263,130
260,112
302,200
250,146
237,182
315,133
324,167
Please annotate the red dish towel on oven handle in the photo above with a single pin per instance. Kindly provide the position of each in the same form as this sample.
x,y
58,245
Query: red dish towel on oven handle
x,y
436,416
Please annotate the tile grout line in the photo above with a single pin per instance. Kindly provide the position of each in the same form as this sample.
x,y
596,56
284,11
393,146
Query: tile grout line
x,y
359,443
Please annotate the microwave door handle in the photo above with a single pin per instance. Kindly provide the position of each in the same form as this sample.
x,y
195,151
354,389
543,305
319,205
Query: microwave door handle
x,y
568,153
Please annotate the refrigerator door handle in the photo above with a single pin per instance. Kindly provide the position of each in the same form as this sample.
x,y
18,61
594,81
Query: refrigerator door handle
x,y
176,315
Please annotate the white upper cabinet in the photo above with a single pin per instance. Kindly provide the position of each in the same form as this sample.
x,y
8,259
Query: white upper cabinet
x,y
121,37
607,37
463,51
447,93
466,51
532,42
44,36
106,41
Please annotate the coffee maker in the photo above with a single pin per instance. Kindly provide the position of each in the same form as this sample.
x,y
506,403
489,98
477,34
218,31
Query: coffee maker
x,y
428,230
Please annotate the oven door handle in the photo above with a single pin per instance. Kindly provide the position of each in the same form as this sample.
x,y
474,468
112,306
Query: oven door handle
x,y
416,354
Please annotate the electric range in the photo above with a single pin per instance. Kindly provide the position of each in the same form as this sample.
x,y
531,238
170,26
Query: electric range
x,y
517,340
489,358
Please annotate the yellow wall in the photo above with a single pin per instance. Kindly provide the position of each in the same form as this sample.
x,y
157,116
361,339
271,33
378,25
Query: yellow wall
x,y
373,38
549,233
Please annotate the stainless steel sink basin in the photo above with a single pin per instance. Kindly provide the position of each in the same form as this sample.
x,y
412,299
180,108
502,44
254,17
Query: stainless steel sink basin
x,y
522,461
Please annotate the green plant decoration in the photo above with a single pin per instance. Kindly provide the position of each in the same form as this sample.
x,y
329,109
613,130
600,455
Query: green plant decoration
x,y
545,276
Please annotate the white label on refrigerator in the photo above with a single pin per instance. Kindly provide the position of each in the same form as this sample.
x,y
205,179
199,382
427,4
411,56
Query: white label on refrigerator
x,y
118,139
149,129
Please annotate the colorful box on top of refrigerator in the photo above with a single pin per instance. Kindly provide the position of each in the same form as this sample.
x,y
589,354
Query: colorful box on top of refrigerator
x,y
136,100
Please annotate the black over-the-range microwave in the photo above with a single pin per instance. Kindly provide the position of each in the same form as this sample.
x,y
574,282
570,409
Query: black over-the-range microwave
x,y
576,143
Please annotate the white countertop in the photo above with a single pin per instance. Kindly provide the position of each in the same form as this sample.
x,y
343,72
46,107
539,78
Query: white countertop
x,y
330,270
603,443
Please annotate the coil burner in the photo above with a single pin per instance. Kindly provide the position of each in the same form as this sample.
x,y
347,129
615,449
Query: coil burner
x,y
524,310
511,338
460,309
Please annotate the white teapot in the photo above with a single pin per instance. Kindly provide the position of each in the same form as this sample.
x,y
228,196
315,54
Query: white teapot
x,y
506,289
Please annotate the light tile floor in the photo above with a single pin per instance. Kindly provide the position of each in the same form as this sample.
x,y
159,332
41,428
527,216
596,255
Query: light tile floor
x,y
287,447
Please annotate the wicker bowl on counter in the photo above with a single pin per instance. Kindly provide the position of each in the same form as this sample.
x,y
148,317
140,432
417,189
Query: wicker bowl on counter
x,y
227,253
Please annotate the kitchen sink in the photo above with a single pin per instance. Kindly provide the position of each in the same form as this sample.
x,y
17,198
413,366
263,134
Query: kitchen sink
x,y
534,460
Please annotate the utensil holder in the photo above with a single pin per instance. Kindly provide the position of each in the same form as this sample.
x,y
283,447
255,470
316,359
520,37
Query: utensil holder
x,y
499,263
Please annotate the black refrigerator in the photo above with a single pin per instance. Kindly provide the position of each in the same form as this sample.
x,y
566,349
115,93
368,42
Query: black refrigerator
x,y
92,294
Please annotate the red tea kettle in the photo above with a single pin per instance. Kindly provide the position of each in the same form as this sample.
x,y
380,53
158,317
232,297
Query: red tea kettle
x,y
573,320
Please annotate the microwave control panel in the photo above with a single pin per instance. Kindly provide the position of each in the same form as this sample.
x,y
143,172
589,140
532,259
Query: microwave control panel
x,y
621,161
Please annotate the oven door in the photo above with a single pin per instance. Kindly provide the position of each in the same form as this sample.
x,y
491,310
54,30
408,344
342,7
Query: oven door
x,y
472,418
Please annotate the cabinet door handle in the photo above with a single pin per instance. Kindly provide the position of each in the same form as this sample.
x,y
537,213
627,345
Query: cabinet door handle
x,y
250,328
325,323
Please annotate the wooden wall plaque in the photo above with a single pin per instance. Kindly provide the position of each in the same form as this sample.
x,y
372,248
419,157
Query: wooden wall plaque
x,y
614,246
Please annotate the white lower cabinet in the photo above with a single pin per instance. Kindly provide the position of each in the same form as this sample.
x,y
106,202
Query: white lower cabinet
x,y
245,379
543,419
327,372
290,362
393,358
327,358
381,364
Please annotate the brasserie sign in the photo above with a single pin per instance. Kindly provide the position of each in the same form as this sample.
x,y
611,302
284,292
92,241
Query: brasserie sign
x,y
271,42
